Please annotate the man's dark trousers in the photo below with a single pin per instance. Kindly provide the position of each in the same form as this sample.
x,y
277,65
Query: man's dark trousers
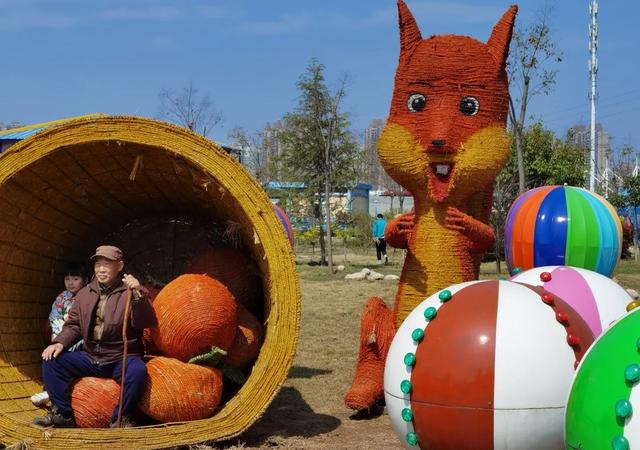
x,y
58,374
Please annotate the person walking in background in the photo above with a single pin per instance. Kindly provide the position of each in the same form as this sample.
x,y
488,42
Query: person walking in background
x,y
378,238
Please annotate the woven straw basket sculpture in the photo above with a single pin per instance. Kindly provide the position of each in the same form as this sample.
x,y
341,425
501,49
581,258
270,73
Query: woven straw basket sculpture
x,y
61,192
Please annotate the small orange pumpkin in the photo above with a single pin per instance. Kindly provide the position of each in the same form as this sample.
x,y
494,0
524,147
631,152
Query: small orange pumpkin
x,y
179,392
93,400
248,340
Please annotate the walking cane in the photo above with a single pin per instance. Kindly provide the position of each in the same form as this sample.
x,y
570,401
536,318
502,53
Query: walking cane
x,y
127,307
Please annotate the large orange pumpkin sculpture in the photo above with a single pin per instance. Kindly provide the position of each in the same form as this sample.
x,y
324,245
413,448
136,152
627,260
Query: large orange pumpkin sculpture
x,y
147,340
93,400
233,268
194,313
178,392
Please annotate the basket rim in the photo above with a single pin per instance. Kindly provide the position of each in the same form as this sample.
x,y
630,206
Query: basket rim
x,y
282,290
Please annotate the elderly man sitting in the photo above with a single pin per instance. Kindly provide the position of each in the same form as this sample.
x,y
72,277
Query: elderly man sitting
x,y
97,316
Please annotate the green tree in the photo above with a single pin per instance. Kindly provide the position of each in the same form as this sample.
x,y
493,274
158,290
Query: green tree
x,y
548,161
532,53
319,148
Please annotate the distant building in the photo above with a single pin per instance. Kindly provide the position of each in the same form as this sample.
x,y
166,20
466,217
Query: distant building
x,y
580,136
272,148
374,172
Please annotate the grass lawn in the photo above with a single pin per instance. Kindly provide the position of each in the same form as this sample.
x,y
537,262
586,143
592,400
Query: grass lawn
x,y
308,413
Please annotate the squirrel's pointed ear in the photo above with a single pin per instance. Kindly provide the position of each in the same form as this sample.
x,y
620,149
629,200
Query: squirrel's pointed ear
x,y
501,36
409,31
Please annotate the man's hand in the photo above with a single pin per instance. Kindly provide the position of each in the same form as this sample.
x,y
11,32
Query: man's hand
x,y
52,351
131,282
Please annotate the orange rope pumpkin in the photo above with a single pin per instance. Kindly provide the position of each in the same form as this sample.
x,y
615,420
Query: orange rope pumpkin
x,y
194,313
177,391
93,400
147,340
233,268
248,340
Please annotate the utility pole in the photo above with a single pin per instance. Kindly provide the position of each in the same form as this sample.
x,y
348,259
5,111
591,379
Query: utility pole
x,y
593,71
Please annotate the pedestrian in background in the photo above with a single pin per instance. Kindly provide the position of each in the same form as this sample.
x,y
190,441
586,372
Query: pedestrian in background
x,y
378,238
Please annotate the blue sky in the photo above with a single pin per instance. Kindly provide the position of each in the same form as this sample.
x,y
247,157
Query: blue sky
x,y
69,57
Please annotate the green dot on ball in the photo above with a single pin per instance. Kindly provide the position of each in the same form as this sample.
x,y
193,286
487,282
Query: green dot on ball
x,y
417,335
405,386
407,415
445,295
430,313
620,443
412,438
632,373
623,409
409,359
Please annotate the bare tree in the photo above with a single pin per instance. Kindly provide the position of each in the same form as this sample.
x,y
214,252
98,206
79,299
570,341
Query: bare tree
x,y
533,51
253,149
187,107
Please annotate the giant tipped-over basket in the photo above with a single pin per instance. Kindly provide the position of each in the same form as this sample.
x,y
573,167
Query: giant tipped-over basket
x,y
62,192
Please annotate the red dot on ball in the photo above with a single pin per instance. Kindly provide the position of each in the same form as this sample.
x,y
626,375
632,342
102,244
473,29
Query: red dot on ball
x,y
572,339
545,276
547,298
562,317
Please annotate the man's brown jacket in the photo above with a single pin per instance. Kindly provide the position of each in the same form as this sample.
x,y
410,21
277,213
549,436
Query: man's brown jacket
x,y
109,348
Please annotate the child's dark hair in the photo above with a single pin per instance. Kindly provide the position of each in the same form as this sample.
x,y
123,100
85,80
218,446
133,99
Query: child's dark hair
x,y
75,269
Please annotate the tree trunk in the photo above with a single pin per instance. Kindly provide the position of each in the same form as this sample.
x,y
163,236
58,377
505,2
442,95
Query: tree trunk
x,y
401,201
327,197
323,250
391,203
522,182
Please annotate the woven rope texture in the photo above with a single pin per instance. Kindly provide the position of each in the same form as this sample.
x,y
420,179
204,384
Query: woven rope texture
x,y
66,189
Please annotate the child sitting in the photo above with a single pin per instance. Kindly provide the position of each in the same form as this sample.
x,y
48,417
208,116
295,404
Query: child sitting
x,y
75,278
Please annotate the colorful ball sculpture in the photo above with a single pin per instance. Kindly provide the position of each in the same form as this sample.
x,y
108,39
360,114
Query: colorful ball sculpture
x,y
484,365
564,226
599,300
600,411
286,223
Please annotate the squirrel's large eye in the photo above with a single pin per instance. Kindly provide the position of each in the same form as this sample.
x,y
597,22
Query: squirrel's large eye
x,y
416,102
469,106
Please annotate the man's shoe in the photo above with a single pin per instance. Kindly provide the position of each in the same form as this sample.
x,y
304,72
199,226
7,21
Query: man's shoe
x,y
386,259
54,419
125,422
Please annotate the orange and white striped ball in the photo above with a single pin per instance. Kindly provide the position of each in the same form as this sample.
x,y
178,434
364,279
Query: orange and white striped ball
x,y
484,365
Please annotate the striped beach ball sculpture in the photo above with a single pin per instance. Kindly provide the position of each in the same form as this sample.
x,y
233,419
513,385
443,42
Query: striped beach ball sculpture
x,y
599,300
603,411
286,224
563,226
484,365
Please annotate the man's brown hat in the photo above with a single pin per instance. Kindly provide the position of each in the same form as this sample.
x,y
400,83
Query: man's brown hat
x,y
109,252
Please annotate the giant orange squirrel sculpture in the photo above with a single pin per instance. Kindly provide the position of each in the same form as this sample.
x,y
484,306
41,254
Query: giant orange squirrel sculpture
x,y
445,141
